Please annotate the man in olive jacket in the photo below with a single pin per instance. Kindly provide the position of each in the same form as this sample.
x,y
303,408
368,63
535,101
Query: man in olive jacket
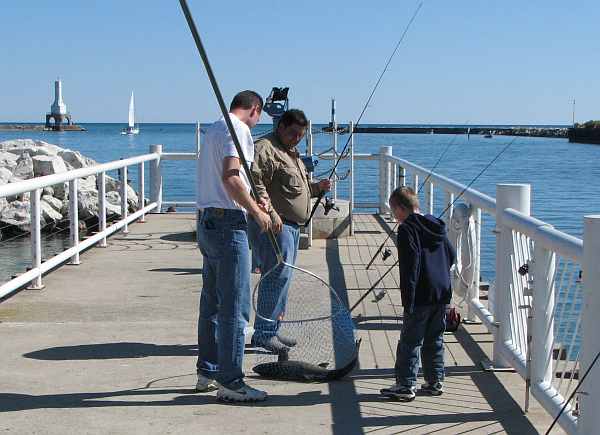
x,y
281,179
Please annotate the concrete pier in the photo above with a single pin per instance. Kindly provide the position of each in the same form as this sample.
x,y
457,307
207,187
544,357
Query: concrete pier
x,y
109,347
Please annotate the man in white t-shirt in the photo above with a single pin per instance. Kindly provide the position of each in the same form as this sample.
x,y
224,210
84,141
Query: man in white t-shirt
x,y
224,202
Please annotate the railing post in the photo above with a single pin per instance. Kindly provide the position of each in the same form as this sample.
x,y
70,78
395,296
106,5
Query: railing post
x,y
124,207
542,310
334,143
36,239
141,191
394,176
351,204
474,291
402,177
156,179
448,203
384,179
309,152
429,197
74,220
518,197
416,183
197,137
589,420
102,206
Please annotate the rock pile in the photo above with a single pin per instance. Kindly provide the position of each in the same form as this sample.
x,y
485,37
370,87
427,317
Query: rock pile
x,y
22,159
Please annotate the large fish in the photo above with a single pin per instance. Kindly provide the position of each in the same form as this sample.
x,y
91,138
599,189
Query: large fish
x,y
303,371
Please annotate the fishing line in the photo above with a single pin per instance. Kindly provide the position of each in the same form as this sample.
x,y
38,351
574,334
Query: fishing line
x,y
477,177
356,124
573,393
439,217
420,187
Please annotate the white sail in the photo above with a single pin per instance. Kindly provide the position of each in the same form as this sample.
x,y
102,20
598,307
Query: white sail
x,y
131,112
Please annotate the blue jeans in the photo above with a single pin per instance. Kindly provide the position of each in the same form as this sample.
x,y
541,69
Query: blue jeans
x,y
272,293
422,330
225,297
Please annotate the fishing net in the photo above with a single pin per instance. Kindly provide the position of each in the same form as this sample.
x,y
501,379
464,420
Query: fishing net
x,y
309,312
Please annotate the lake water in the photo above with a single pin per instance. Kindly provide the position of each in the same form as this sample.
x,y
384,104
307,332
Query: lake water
x,y
564,176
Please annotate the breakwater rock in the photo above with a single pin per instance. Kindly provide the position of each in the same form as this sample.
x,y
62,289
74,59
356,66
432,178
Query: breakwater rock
x,y
554,132
22,159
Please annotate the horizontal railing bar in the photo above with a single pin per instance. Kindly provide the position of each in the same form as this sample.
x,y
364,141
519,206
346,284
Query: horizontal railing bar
x,y
18,282
366,205
179,156
50,180
484,315
362,156
542,232
552,401
470,196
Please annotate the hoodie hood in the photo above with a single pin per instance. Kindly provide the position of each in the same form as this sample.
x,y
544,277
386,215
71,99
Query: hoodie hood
x,y
431,229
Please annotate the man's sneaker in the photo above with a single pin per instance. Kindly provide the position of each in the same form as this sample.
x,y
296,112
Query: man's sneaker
x,y
399,392
435,389
204,384
240,392
286,340
272,344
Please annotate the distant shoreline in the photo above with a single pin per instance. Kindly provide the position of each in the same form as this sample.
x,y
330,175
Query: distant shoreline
x,y
38,127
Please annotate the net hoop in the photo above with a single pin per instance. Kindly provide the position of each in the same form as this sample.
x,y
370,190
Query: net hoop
x,y
300,270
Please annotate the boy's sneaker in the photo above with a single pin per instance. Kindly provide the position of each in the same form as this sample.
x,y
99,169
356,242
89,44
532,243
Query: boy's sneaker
x,y
240,392
205,385
399,392
435,389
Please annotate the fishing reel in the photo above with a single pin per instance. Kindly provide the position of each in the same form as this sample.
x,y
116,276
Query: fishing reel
x,y
379,295
524,269
329,205
387,253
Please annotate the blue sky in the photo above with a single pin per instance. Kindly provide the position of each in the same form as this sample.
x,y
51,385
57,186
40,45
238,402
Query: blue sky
x,y
482,61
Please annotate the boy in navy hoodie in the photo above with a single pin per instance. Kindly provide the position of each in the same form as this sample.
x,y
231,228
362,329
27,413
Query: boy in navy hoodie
x,y
425,256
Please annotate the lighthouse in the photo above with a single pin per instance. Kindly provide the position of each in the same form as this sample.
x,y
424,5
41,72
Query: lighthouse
x,y
58,110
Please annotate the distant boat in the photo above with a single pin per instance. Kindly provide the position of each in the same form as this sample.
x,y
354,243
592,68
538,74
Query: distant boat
x,y
488,135
131,128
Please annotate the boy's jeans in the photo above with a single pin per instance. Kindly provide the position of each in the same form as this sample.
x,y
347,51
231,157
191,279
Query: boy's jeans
x,y
424,329
272,294
225,297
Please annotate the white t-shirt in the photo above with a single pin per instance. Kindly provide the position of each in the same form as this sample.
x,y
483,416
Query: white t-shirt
x,y
210,191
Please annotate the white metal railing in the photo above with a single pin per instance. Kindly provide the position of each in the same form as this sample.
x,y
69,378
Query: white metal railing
x,y
540,317
544,319
34,187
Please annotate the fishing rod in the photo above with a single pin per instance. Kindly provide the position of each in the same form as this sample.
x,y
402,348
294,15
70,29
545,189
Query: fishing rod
x,y
478,175
227,119
337,161
387,253
362,298
496,157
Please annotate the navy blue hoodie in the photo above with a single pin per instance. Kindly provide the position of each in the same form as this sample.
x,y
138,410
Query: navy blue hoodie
x,y
426,256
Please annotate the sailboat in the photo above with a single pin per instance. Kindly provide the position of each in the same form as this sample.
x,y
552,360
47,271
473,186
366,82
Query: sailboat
x,y
131,128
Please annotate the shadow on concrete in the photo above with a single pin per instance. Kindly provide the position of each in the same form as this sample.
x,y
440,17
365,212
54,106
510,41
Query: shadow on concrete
x,y
179,271
11,402
493,391
345,403
112,351
188,236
